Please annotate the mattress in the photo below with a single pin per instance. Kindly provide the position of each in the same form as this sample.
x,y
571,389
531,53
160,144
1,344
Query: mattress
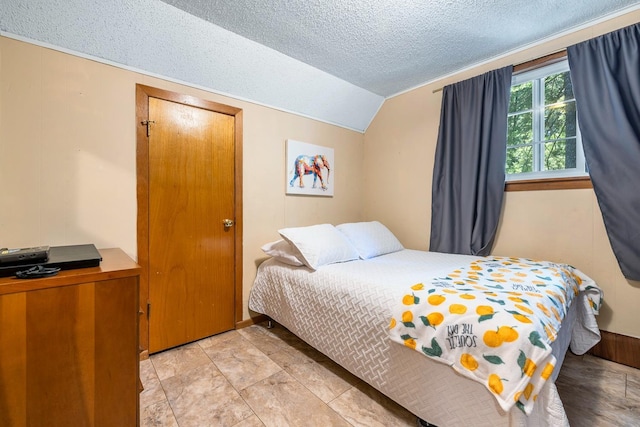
x,y
343,310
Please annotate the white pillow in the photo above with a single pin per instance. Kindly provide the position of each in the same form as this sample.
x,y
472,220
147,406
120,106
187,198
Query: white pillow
x,y
283,252
319,245
371,239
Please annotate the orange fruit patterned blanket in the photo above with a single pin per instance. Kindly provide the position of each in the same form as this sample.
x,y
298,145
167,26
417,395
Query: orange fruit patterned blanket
x,y
494,321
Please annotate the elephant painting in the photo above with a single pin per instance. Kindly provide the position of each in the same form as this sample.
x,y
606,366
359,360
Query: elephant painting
x,y
307,165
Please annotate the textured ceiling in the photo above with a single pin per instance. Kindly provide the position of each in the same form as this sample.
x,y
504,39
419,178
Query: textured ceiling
x,y
330,60
389,46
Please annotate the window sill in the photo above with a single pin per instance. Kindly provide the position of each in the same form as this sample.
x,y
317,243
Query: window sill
x,y
549,184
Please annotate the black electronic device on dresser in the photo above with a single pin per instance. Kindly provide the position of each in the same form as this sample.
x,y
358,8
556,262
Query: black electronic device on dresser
x,y
63,257
21,256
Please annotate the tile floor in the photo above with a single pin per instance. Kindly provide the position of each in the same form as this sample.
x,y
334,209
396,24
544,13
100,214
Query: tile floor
x,y
598,393
260,377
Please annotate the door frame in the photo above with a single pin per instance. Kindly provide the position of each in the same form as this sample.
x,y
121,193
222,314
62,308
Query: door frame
x,y
143,93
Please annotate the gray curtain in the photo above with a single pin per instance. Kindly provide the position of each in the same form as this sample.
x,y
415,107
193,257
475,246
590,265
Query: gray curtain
x,y
469,170
605,72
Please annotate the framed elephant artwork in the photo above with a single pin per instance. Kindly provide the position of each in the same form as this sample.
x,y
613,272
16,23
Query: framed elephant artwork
x,y
310,169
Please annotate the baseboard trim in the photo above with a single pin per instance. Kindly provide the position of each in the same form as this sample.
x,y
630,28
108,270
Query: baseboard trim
x,y
618,348
252,321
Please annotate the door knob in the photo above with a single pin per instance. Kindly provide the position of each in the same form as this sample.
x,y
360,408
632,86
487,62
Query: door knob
x,y
228,223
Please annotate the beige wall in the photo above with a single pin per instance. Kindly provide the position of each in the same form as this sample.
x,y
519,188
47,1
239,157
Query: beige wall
x,y
565,226
67,157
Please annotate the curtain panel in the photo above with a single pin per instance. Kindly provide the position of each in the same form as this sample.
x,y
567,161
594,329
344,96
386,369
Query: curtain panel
x,y
605,72
469,170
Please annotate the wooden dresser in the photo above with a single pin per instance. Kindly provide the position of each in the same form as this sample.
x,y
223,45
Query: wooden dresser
x,y
69,346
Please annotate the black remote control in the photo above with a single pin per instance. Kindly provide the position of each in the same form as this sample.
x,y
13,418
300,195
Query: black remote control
x,y
24,255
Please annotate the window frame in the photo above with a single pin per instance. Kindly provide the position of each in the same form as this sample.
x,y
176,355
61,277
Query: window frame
x,y
549,179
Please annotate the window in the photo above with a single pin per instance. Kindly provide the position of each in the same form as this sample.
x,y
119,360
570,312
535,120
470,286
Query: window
x,y
543,138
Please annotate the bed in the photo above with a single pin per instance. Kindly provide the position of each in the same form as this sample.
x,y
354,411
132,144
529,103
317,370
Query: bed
x,y
341,303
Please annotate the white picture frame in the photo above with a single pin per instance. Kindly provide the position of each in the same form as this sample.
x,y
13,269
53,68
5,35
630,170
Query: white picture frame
x,y
309,169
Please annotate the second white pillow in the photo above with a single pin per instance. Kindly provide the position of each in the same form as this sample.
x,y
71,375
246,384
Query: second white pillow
x,y
371,239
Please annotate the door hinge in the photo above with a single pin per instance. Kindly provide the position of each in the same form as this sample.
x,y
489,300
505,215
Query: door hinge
x,y
148,310
147,123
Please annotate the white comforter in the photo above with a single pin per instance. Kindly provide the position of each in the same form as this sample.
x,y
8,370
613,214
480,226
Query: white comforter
x,y
344,309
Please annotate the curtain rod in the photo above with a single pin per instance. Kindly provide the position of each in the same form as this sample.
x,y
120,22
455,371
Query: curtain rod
x,y
533,63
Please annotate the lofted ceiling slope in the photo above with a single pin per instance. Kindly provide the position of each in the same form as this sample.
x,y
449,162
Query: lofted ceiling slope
x,y
331,60
388,47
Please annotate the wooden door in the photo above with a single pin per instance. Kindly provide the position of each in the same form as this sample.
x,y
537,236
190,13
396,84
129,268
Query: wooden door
x,y
191,252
